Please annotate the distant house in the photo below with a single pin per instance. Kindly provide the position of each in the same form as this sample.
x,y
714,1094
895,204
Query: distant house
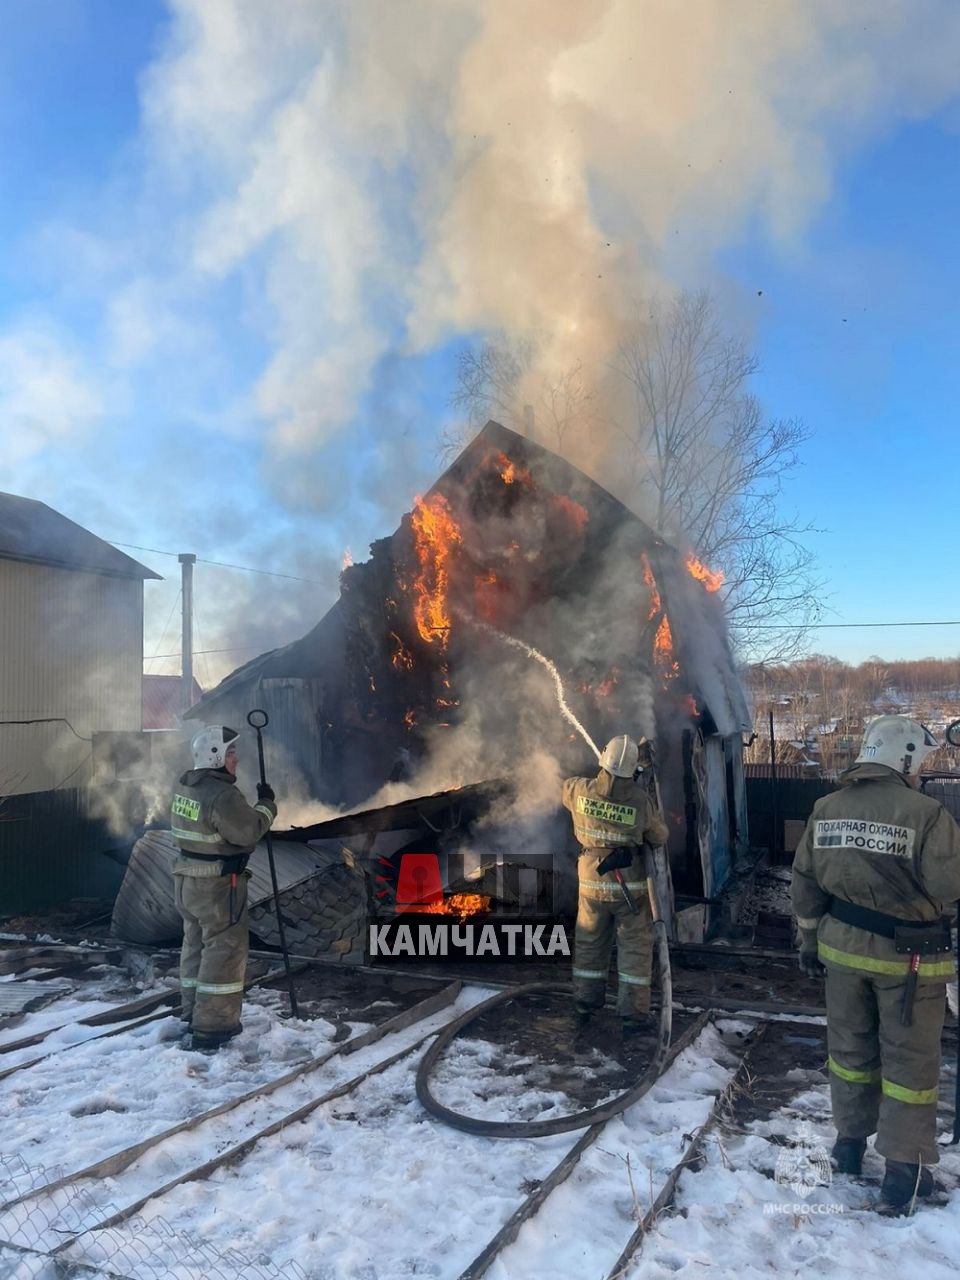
x,y
71,640
163,701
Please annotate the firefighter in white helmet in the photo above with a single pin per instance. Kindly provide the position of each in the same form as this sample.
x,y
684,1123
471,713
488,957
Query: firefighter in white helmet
x,y
216,830
612,817
874,873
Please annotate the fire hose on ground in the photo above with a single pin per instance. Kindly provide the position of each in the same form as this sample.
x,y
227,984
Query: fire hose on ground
x,y
579,1119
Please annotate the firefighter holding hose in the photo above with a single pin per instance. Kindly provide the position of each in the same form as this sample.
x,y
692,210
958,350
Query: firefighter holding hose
x,y
874,871
216,830
613,816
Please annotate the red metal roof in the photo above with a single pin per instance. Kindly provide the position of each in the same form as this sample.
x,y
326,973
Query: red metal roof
x,y
162,701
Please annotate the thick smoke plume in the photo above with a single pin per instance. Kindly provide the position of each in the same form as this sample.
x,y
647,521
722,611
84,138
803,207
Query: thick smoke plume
x,y
373,178
406,173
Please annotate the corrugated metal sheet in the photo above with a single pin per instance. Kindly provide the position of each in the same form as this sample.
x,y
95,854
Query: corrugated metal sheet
x,y
72,646
18,997
145,910
52,848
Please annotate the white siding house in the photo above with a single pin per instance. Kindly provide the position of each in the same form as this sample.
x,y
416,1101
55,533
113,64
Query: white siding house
x,y
71,656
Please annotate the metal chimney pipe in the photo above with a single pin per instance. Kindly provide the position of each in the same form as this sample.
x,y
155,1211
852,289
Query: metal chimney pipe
x,y
186,636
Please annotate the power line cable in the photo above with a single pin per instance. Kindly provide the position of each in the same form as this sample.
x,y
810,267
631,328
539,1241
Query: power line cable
x,y
163,633
823,626
243,648
223,564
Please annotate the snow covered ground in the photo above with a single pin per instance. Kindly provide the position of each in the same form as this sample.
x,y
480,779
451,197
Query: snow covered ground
x,y
735,1219
368,1187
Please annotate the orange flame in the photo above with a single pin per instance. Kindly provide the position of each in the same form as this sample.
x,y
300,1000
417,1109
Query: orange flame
x,y
663,649
511,471
486,595
651,584
410,718
608,684
458,904
712,579
435,534
690,705
401,658
347,560
576,515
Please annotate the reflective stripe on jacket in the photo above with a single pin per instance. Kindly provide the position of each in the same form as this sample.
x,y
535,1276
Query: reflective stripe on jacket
x,y
880,844
210,819
608,812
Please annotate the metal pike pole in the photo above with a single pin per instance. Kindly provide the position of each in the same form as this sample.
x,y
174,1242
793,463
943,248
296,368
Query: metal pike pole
x,y
259,720
952,736
956,1088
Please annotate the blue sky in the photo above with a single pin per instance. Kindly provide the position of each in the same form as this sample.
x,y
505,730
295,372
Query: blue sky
x,y
857,336
141,290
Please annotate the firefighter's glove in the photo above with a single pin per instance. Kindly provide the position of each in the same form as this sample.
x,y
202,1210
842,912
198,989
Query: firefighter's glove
x,y
809,961
616,859
265,791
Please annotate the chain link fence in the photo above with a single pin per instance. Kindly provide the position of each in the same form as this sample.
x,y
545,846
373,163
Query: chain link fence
x,y
53,1235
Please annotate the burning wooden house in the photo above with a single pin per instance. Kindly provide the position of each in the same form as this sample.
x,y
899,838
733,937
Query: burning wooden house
x,y
429,671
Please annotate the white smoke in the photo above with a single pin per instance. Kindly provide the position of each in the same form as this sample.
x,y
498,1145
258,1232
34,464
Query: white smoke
x,y
373,177
45,396
525,169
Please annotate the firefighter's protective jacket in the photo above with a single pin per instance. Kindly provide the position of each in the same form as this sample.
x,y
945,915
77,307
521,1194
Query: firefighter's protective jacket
x,y
879,844
608,812
210,820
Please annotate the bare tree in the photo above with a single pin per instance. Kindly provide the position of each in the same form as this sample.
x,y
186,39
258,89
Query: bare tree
x,y
498,379
711,465
702,462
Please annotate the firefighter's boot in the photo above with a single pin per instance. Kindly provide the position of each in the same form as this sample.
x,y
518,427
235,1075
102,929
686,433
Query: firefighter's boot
x,y
847,1155
902,1181
639,1024
211,1041
584,1016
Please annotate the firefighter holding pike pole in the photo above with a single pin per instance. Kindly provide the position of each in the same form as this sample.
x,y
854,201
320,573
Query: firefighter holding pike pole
x,y
613,816
216,831
873,874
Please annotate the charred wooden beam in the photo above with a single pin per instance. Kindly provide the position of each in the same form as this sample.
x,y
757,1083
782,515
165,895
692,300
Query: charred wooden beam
x,y
445,809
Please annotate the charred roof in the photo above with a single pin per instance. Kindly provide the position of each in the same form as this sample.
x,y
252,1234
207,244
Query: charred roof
x,y
533,532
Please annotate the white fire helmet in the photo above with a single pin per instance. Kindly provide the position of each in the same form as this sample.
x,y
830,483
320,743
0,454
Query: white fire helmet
x,y
898,742
620,757
211,744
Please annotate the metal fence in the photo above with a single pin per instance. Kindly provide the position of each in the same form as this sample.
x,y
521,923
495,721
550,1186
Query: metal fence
x,y
948,793
53,847
772,804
